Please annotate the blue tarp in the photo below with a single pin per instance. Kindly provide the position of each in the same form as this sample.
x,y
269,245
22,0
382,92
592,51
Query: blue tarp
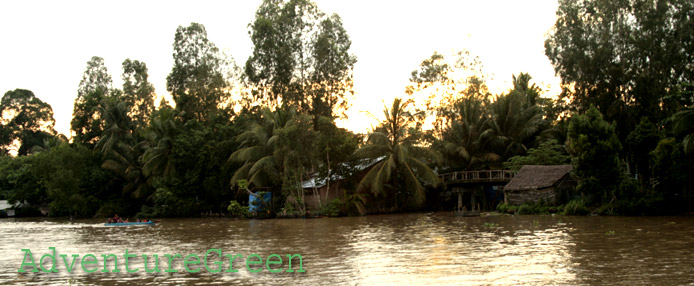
x,y
254,203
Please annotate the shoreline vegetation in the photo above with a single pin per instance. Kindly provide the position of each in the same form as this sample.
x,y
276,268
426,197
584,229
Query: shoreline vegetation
x,y
262,139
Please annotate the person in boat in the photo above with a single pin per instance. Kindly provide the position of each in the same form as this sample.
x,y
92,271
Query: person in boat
x,y
116,219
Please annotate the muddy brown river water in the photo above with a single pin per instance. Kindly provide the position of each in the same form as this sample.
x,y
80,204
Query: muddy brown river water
x,y
400,249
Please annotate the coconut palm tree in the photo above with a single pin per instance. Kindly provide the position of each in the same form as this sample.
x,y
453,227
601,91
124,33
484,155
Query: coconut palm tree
x,y
117,126
684,127
121,154
516,122
402,169
275,153
469,139
260,149
158,160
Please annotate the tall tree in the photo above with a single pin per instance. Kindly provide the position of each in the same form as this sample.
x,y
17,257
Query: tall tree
x,y
469,141
594,148
518,119
332,79
26,119
138,92
300,58
627,58
403,168
259,144
196,81
442,81
684,127
95,85
158,160
120,151
276,153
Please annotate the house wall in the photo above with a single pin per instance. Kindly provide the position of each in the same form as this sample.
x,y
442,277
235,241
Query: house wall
x,y
312,201
548,195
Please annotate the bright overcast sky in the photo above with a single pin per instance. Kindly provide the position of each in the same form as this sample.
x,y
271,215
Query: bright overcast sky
x,y
46,44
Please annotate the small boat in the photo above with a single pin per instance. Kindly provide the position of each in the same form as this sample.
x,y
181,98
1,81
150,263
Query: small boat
x,y
128,223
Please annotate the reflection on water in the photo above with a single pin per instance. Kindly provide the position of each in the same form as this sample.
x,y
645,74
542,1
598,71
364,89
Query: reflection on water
x,y
434,248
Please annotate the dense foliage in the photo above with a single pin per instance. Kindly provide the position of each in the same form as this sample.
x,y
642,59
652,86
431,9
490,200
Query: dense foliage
x,y
624,120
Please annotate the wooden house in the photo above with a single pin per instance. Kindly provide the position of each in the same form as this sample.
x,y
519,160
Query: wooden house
x,y
552,184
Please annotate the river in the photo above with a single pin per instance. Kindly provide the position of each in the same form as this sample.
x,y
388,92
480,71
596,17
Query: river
x,y
398,249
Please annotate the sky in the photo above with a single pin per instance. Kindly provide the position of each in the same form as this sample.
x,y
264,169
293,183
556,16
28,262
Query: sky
x,y
45,45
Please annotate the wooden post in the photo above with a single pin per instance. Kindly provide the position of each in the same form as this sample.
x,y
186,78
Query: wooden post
x,y
472,199
460,201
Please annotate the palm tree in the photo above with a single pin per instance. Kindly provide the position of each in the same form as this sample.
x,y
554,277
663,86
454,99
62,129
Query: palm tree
x,y
158,160
270,156
117,126
684,127
469,137
121,154
260,149
401,169
517,122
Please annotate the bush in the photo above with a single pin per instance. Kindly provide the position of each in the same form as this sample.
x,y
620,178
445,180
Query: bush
x,y
504,208
576,207
537,208
332,208
237,210
525,209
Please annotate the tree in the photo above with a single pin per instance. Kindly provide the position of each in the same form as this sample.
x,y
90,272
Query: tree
x,y
397,176
158,160
684,127
334,148
548,153
257,149
138,92
71,178
672,171
468,139
86,122
196,81
444,82
95,77
300,58
120,151
25,119
275,153
332,80
517,117
20,183
627,58
594,148
640,143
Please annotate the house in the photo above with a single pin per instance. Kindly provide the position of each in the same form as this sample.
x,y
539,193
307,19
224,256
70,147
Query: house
x,y
551,184
317,193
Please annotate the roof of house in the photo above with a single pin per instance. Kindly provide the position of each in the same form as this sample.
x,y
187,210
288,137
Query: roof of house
x,y
531,177
316,182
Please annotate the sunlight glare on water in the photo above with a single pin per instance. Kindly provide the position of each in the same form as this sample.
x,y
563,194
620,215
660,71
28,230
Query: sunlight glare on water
x,y
398,249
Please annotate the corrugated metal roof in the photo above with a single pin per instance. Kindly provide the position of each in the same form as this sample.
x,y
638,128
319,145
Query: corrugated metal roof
x,y
316,182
